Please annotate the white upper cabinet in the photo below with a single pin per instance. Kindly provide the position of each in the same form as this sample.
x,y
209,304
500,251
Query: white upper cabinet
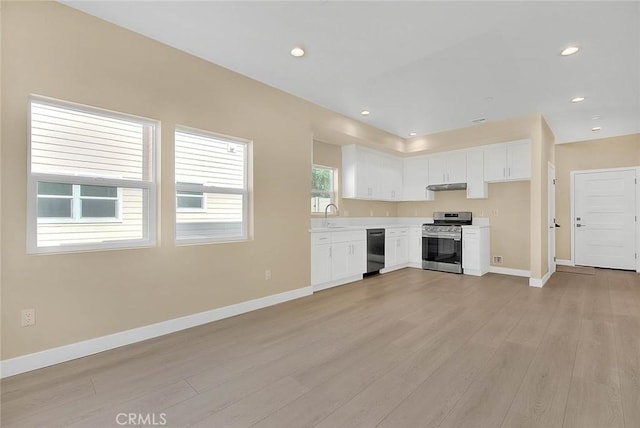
x,y
390,175
367,174
519,160
416,180
448,168
373,175
476,186
507,162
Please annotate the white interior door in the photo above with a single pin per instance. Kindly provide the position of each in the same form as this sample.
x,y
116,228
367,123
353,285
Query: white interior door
x,y
604,219
552,217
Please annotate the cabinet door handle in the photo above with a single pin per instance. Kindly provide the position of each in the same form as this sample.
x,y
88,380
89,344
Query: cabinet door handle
x,y
330,252
504,172
509,171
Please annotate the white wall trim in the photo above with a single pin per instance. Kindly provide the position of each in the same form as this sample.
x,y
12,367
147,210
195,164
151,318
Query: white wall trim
x,y
509,271
49,357
540,282
563,262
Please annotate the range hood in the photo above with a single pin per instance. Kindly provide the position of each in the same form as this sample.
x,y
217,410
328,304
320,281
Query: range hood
x,y
452,186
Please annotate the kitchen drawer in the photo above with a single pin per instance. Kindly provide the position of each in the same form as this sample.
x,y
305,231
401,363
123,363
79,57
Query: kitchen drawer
x,y
320,238
350,236
470,233
397,232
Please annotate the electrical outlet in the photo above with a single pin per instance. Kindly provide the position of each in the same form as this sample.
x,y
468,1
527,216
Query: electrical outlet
x,y
345,213
371,213
387,213
27,317
497,260
267,275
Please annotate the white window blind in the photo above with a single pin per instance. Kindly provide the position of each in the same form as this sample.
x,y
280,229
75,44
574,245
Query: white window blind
x,y
215,168
91,178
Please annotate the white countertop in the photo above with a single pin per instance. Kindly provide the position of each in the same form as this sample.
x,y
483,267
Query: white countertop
x,y
337,224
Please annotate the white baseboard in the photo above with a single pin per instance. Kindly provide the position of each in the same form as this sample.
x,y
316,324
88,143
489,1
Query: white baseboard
x,y
509,271
392,268
540,282
473,272
49,357
331,284
415,265
562,262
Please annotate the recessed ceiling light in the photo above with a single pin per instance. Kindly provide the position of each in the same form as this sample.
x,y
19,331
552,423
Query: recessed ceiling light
x,y
365,112
569,50
577,99
596,128
297,51
412,134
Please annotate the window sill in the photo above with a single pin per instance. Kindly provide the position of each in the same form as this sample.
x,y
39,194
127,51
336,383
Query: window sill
x,y
82,248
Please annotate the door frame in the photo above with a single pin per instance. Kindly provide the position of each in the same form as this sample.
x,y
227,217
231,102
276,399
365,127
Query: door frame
x,y
572,175
551,217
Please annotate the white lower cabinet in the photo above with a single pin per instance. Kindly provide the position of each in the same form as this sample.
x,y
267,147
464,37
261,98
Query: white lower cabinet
x,y
396,248
475,250
337,258
415,246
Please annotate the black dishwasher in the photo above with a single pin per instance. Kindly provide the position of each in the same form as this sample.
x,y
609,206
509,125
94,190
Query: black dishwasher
x,y
375,250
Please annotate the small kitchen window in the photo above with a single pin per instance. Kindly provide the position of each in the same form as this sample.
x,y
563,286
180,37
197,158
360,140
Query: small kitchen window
x,y
323,188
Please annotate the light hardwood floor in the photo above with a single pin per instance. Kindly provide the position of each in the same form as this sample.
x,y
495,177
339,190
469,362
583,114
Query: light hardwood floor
x,y
406,349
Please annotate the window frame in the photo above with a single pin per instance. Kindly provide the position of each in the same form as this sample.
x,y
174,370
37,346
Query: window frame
x,y
334,191
192,187
76,207
151,138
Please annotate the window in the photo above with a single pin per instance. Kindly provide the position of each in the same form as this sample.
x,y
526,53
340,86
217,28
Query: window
x,y
322,188
211,187
78,202
92,178
190,201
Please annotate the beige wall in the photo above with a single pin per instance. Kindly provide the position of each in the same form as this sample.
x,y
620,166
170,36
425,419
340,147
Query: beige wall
x,y
614,152
331,155
52,50
507,209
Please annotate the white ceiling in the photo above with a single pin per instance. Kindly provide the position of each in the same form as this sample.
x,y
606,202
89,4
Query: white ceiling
x,y
419,67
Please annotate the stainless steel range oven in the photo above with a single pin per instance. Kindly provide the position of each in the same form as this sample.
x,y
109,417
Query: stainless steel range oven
x,y
442,241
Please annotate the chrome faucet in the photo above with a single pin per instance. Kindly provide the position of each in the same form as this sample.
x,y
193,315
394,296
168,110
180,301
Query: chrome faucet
x,y
326,211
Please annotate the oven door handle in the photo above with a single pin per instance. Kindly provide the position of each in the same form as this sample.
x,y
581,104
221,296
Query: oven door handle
x,y
454,236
